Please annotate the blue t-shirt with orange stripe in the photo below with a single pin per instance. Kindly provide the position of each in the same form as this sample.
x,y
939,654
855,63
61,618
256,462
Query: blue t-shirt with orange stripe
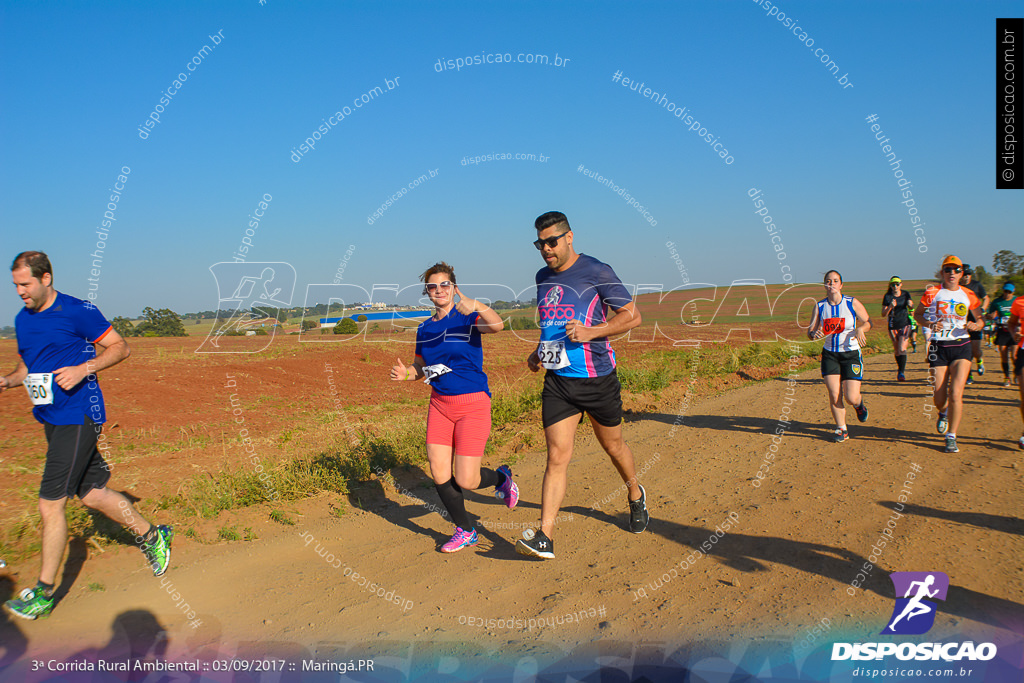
x,y
584,292
58,337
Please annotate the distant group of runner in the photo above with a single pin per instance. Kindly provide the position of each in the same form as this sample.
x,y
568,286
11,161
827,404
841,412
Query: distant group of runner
x,y
63,342
952,314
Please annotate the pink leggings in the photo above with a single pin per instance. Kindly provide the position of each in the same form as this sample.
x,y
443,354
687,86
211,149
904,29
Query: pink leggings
x,y
462,421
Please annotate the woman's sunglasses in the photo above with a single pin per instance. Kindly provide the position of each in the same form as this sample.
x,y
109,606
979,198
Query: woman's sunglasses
x,y
431,286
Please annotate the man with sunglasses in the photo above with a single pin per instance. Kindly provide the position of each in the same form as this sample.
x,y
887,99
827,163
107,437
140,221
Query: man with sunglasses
x,y
945,309
574,295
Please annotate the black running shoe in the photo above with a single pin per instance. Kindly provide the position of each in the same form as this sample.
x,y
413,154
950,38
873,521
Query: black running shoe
x,y
862,410
538,545
638,515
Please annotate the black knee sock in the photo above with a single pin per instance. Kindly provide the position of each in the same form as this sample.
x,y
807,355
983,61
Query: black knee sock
x,y
454,503
1006,368
901,363
489,478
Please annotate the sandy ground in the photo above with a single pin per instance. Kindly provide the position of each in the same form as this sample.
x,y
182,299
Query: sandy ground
x,y
783,566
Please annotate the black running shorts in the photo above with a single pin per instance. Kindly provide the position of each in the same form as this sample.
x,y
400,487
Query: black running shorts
x,y
901,331
599,397
74,465
1018,363
1004,338
943,353
846,364
975,336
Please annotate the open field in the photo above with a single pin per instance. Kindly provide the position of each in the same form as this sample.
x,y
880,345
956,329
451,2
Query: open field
x,y
344,445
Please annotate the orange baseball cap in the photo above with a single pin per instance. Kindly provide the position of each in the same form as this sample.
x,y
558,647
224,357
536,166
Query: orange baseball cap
x,y
952,260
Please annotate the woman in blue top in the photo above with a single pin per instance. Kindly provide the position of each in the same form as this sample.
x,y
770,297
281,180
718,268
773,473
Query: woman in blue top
x,y
449,357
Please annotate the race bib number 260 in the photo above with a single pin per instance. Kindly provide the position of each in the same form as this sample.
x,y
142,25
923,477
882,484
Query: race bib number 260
x,y
40,388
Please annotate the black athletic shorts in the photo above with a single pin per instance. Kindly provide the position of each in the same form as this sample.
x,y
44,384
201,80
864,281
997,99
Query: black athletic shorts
x,y
846,364
1018,363
943,353
74,465
975,336
599,397
1004,338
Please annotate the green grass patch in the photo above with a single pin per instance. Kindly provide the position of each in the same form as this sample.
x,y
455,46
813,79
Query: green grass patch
x,y
281,518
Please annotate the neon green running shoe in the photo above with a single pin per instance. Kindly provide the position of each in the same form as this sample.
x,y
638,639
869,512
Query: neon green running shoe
x,y
159,551
31,604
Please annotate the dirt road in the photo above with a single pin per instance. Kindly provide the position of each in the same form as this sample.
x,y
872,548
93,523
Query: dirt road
x,y
785,560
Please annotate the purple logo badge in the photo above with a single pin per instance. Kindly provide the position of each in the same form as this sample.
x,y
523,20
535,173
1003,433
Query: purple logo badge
x,y
914,612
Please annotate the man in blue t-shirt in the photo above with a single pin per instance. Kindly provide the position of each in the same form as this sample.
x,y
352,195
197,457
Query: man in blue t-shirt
x,y
574,295
57,340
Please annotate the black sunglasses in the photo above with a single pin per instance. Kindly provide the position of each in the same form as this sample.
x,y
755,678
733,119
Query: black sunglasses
x,y
550,241
951,269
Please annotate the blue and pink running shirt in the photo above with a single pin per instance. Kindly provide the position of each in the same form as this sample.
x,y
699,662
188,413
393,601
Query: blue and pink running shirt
x,y
584,292
61,336
452,354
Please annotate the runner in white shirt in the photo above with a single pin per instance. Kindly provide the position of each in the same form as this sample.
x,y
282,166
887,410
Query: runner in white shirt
x,y
945,311
842,321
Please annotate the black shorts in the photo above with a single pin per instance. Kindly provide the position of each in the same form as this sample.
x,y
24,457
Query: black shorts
x,y
901,331
975,336
599,397
1018,363
1004,338
942,354
846,364
74,465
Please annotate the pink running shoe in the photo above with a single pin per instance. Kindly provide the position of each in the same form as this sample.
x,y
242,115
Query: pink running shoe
x,y
460,540
509,491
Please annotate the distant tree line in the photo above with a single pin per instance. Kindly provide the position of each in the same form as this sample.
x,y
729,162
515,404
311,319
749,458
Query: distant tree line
x,y
155,323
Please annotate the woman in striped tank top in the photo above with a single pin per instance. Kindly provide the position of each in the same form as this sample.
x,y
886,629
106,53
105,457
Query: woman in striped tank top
x,y
842,321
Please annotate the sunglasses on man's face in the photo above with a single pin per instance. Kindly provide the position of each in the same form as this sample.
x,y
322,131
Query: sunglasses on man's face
x,y
951,269
550,241
431,286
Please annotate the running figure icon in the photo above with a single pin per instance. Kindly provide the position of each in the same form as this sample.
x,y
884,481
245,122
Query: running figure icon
x,y
914,612
915,607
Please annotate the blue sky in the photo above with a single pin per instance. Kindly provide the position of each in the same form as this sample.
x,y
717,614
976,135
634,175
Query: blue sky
x,y
81,79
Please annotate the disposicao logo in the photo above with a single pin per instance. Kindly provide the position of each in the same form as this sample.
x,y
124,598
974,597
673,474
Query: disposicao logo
x,y
914,614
